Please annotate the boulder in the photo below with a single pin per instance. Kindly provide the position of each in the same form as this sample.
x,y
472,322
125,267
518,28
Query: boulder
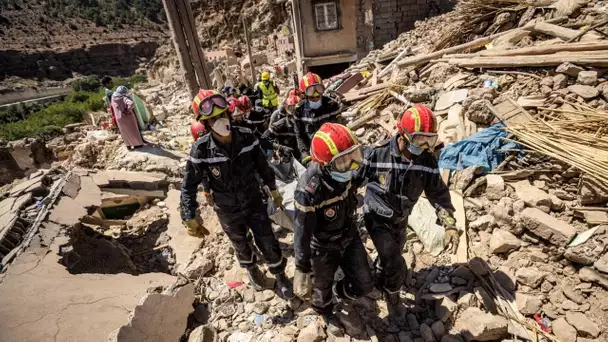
x,y
502,241
528,304
584,91
588,78
476,325
562,330
582,324
547,227
480,113
529,276
569,69
532,195
482,223
495,188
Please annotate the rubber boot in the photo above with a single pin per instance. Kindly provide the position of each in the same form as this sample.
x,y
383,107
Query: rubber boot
x,y
256,278
396,310
283,284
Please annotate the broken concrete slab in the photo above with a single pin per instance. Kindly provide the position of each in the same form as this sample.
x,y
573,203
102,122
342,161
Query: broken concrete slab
x,y
528,304
67,212
562,330
529,276
446,100
54,305
584,91
532,195
582,324
476,325
502,242
130,179
72,186
89,194
183,245
495,187
158,317
547,227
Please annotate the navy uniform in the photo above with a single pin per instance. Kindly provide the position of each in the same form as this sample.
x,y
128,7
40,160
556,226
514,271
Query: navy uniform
x,y
309,120
281,132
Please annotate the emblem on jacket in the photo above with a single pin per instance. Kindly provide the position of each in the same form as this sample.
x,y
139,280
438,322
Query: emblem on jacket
x,y
330,213
215,171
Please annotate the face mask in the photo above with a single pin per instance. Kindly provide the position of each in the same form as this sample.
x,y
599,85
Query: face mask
x,y
315,105
221,127
341,177
415,150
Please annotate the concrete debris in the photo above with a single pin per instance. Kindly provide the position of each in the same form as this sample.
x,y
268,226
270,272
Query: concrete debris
x,y
529,276
582,324
532,196
476,325
547,227
588,78
502,241
495,187
562,330
584,91
528,304
569,69
588,274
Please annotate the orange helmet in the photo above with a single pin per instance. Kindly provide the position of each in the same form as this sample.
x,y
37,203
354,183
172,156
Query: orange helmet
x,y
418,126
336,146
208,103
311,84
197,129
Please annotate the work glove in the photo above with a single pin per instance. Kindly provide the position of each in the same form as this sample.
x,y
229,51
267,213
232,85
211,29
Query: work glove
x,y
276,198
283,149
195,228
452,234
302,284
208,198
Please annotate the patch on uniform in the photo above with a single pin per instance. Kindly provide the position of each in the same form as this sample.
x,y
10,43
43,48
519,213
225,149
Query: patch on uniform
x,y
215,171
382,179
330,213
313,185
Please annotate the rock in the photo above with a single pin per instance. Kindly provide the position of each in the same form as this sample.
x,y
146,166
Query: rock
x,y
564,195
584,91
352,323
572,294
547,227
588,78
579,257
439,288
556,203
502,241
260,308
312,333
529,276
458,281
569,69
582,324
203,333
476,325
479,112
412,322
463,272
560,81
547,81
198,266
569,305
588,274
562,330
467,300
495,188
419,95
444,310
482,223
427,333
531,195
602,263
405,337
438,329
528,304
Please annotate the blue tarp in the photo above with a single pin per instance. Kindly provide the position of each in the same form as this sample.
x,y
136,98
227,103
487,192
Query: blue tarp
x,y
480,149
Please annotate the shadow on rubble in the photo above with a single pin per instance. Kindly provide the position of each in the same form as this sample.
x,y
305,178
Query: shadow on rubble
x,y
158,151
90,251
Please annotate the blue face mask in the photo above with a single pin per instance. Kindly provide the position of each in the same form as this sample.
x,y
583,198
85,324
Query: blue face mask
x,y
315,105
415,150
341,177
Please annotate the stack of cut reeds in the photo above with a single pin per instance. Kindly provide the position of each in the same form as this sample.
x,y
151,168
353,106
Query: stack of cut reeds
x,y
577,136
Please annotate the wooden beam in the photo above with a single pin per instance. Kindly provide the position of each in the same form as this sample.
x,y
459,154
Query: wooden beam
x,y
583,58
537,50
562,33
203,79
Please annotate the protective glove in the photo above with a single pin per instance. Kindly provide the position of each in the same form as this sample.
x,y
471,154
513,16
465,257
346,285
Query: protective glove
x,y
302,284
208,198
284,149
195,228
276,198
452,234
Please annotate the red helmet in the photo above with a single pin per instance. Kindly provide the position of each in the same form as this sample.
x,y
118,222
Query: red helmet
x,y
208,103
417,119
240,106
294,92
291,102
311,83
245,103
336,145
197,129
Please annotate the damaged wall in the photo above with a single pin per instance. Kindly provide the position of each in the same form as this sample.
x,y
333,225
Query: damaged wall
x,y
319,43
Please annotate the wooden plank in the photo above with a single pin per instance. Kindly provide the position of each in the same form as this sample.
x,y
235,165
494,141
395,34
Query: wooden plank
x,y
563,33
584,58
537,50
462,253
362,120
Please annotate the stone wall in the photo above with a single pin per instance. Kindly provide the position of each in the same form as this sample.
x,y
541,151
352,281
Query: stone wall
x,y
392,17
102,59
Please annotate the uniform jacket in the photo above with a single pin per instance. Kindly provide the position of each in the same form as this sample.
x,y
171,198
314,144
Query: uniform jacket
x,y
281,129
324,215
309,120
395,183
229,175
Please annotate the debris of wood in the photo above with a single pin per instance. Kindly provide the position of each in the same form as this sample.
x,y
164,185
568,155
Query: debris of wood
x,y
563,33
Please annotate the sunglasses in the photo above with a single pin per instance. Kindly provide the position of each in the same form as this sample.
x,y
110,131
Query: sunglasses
x,y
311,90
207,105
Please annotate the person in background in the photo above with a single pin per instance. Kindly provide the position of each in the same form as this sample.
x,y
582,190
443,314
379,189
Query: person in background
x,y
398,171
197,130
325,232
268,92
225,161
312,112
126,119
281,131
107,84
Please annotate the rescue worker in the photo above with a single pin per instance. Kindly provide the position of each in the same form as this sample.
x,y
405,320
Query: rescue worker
x,y
225,161
280,130
315,110
398,171
326,236
197,129
268,92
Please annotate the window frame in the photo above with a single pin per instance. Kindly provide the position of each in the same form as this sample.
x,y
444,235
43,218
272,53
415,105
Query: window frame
x,y
336,3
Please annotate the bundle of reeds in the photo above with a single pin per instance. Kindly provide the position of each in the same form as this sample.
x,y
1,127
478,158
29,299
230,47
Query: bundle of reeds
x,y
575,136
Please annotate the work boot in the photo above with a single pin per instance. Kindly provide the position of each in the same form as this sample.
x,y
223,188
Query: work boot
x,y
256,278
396,310
351,322
333,325
284,286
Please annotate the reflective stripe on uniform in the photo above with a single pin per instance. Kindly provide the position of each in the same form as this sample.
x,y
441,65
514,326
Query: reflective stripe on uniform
x,y
195,160
304,208
249,148
276,264
423,168
325,203
317,118
250,261
213,160
402,167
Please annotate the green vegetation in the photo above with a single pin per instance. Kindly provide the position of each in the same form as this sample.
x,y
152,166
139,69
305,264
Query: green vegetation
x,y
33,120
108,12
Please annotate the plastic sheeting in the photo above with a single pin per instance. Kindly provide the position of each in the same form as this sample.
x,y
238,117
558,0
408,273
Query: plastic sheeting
x,y
423,222
480,149
287,180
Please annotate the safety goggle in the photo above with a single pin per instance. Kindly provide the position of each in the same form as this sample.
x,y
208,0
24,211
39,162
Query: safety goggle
x,y
422,140
207,105
311,90
348,160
